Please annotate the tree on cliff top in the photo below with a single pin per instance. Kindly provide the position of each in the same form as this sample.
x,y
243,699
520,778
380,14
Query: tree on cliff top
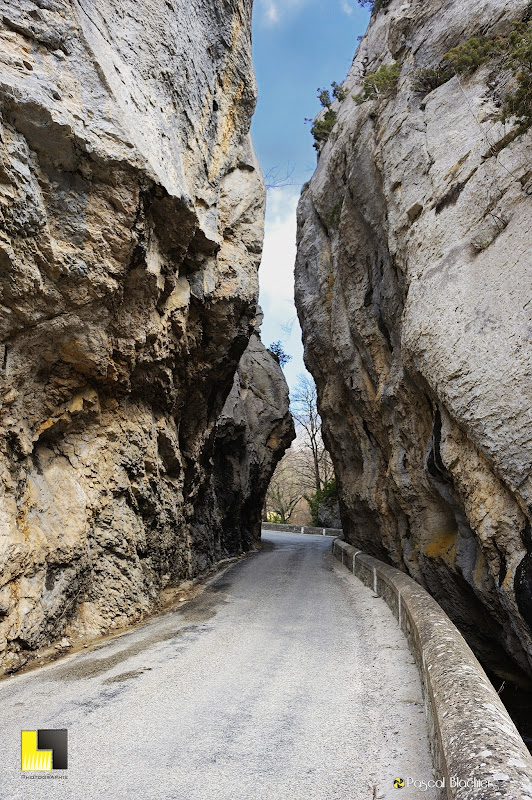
x,y
277,350
374,5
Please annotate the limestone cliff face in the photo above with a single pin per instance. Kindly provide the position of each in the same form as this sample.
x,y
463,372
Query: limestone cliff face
x,y
252,433
413,286
131,212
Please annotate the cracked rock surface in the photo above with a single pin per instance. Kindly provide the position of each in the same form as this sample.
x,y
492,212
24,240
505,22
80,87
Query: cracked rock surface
x,y
131,223
413,287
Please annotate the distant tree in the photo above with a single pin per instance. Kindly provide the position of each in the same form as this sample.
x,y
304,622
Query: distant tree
x,y
285,489
277,351
306,470
304,407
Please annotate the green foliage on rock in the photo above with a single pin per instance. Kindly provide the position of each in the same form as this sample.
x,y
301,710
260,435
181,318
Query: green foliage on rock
x,y
508,52
336,212
327,494
276,349
322,126
379,84
518,103
513,52
472,54
339,93
426,79
324,96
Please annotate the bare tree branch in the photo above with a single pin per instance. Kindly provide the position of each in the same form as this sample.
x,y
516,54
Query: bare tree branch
x,y
305,413
276,179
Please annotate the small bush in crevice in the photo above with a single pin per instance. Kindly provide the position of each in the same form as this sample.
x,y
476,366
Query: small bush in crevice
x,y
508,53
379,84
322,127
426,79
518,103
339,93
473,54
324,96
276,349
479,245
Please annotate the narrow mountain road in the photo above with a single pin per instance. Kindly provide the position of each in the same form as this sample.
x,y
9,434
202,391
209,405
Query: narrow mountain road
x,y
286,679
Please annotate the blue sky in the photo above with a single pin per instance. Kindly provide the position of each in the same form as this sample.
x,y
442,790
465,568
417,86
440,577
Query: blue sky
x,y
298,46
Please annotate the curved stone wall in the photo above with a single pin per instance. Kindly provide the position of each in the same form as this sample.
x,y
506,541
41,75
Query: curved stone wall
x,y
472,736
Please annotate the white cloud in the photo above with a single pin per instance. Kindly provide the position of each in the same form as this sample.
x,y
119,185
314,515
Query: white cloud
x,y
346,8
273,10
277,267
276,277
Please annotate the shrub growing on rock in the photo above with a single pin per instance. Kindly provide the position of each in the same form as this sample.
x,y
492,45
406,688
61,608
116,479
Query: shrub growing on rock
x,y
472,54
322,127
379,84
327,494
426,79
277,351
339,93
518,103
513,52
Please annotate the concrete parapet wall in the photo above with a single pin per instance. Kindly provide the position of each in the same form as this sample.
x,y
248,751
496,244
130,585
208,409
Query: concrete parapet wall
x,y
472,736
271,526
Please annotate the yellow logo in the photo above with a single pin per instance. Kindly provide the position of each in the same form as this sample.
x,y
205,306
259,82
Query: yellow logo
x,y
33,760
43,750
399,783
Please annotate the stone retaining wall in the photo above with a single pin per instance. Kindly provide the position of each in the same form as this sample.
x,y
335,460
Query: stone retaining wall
x,y
271,526
472,736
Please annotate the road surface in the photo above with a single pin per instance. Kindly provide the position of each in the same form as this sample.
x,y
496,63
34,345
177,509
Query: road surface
x,y
285,679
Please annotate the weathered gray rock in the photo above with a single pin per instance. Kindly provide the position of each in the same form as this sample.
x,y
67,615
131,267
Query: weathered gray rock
x,y
131,214
253,432
413,286
329,514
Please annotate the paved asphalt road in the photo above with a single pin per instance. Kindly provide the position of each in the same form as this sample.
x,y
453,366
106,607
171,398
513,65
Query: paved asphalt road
x,y
286,679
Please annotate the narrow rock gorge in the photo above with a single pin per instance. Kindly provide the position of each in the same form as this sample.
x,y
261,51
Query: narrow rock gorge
x,y
413,288
133,454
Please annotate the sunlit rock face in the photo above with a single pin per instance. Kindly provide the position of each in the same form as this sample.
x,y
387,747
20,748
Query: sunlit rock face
x,y
131,223
413,287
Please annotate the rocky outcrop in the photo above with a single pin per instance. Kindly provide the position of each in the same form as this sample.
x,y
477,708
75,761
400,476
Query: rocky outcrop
x,y
131,212
413,285
253,432
329,514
